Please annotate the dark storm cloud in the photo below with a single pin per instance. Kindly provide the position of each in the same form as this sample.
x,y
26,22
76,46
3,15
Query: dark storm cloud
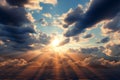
x,y
17,2
73,16
14,31
13,16
99,10
31,4
104,40
113,25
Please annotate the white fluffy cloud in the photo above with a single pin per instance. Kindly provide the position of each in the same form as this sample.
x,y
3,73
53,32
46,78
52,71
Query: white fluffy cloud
x,y
48,15
53,2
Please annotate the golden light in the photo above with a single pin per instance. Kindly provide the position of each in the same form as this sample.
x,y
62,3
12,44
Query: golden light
x,y
55,45
55,42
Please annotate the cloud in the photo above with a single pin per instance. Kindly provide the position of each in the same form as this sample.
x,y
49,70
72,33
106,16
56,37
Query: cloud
x,y
112,49
88,36
95,51
14,30
43,38
104,40
1,42
74,15
17,30
31,4
53,2
65,41
13,62
18,3
8,16
113,25
100,62
3,3
82,38
76,38
94,57
98,11
48,15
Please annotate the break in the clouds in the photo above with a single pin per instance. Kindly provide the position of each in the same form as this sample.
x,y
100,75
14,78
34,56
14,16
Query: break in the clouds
x,y
98,11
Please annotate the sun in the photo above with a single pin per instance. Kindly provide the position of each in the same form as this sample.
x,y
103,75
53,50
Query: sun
x,y
55,46
55,42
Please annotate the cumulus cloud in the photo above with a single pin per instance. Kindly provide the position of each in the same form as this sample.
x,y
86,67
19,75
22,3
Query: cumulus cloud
x,y
99,62
48,15
13,62
96,12
95,57
95,51
53,2
43,38
113,25
112,49
17,31
74,15
13,31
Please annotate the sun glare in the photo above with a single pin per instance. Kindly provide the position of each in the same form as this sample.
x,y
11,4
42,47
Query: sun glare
x,y
55,42
55,46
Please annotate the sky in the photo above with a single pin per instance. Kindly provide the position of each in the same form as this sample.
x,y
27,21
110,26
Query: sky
x,y
77,24
90,28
